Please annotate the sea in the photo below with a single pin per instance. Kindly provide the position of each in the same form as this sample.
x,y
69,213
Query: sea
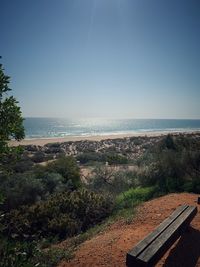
x,y
60,127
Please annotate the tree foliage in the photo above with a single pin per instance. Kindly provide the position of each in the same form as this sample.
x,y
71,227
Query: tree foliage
x,y
11,121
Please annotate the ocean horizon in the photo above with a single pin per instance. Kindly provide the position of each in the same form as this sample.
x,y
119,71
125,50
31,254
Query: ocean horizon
x,y
38,128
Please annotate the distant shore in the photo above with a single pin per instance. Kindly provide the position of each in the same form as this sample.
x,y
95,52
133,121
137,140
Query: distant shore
x,y
43,141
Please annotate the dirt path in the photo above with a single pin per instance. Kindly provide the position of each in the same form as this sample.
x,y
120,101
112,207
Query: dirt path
x,y
109,248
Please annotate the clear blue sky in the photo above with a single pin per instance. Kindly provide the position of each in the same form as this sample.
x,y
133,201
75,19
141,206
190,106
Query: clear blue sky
x,y
103,58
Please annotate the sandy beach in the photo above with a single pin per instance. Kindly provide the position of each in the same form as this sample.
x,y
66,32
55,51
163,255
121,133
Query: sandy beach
x,y
43,141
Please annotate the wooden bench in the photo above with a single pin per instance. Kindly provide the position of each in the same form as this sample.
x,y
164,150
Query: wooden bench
x,y
148,251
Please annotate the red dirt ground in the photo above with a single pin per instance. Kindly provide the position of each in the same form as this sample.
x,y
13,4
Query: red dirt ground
x,y
109,248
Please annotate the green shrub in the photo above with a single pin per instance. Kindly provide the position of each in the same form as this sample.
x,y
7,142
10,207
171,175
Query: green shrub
x,y
111,181
23,166
63,214
173,184
173,165
14,253
137,140
20,189
29,254
28,187
110,157
52,182
51,257
113,158
168,143
68,168
134,196
38,157
90,157
192,185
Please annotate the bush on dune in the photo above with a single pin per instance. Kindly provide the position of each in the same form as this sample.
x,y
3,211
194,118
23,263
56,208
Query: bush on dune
x,y
173,165
113,158
23,166
28,187
67,167
89,157
112,181
30,254
63,214
20,189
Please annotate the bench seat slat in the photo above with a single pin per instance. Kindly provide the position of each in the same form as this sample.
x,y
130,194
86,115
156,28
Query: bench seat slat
x,y
167,238
152,236
153,247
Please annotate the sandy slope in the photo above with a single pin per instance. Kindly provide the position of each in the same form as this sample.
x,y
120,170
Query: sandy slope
x,y
110,248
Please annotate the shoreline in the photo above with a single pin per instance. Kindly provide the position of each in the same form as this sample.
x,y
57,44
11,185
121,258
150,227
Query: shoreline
x,y
44,141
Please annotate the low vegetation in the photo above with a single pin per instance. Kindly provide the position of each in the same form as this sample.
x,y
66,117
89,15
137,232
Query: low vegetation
x,y
173,166
41,205
134,196
61,215
96,157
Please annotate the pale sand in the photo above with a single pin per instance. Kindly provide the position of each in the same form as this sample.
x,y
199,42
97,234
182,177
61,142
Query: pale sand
x,y
43,141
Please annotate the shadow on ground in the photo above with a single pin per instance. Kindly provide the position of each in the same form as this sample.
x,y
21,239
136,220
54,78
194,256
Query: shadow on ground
x,y
187,251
